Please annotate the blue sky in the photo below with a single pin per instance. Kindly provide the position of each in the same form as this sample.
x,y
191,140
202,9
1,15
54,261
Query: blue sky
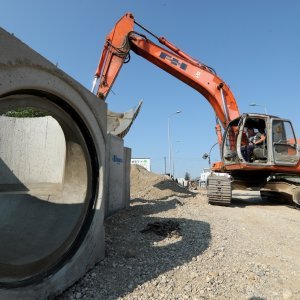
x,y
253,45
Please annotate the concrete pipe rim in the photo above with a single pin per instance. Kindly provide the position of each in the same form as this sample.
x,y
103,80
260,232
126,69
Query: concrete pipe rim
x,y
59,109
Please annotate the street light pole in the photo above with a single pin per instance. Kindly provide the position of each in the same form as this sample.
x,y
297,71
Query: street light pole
x,y
210,152
169,141
207,155
173,160
265,108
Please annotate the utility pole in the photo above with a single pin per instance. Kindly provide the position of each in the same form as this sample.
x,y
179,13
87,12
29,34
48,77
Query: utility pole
x,y
170,141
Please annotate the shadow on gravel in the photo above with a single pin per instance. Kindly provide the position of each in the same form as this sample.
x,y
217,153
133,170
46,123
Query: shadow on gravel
x,y
245,201
134,258
152,207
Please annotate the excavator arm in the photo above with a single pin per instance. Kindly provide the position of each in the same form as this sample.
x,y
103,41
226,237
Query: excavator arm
x,y
202,78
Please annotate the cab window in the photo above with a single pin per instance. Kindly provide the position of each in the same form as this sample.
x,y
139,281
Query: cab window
x,y
284,143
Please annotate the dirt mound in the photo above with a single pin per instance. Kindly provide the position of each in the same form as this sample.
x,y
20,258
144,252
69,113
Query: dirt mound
x,y
151,186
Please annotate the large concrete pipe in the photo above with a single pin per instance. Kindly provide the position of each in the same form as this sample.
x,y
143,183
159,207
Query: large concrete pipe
x,y
51,202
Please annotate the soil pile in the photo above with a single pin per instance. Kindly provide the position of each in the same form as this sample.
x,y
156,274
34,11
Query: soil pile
x,y
151,186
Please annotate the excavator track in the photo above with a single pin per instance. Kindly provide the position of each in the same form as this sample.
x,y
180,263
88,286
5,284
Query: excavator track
x,y
283,190
219,190
280,198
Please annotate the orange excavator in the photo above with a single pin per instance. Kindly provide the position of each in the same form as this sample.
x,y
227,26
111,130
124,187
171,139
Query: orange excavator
x,y
272,166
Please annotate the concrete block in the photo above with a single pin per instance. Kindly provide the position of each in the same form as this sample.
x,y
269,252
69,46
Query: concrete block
x,y
126,184
115,174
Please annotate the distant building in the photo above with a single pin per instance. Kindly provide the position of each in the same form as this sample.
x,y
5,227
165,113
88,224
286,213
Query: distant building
x,y
182,181
203,177
144,162
205,173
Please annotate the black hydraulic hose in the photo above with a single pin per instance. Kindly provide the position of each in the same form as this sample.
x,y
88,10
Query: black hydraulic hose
x,y
135,22
212,70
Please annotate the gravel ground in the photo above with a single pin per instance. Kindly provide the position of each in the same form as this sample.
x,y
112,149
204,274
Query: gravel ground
x,y
247,251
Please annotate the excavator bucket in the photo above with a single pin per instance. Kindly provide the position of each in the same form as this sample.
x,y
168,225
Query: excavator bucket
x,y
115,53
119,124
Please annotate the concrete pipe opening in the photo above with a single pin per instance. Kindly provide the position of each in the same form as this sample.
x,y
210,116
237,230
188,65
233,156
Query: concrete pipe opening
x,y
48,185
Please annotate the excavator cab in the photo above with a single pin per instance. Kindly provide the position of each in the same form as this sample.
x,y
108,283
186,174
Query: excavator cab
x,y
256,139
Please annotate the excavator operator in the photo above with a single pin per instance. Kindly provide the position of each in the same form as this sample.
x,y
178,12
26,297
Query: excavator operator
x,y
256,146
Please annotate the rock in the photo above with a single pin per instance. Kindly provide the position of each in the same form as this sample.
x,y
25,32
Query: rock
x,y
287,294
78,295
130,253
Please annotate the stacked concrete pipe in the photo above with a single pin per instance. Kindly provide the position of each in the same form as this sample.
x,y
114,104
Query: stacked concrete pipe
x,y
51,202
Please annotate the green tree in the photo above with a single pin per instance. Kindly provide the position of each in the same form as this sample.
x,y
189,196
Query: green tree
x,y
27,112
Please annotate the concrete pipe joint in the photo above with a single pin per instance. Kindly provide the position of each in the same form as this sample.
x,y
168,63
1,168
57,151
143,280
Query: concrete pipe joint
x,y
52,154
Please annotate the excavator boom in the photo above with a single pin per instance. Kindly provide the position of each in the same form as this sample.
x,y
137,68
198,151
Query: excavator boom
x,y
116,51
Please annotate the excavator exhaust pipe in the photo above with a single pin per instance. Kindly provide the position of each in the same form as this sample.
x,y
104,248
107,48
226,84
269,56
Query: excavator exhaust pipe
x,y
52,175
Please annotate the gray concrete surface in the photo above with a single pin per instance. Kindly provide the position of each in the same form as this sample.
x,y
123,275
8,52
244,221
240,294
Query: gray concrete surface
x,y
52,234
126,185
33,148
118,174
